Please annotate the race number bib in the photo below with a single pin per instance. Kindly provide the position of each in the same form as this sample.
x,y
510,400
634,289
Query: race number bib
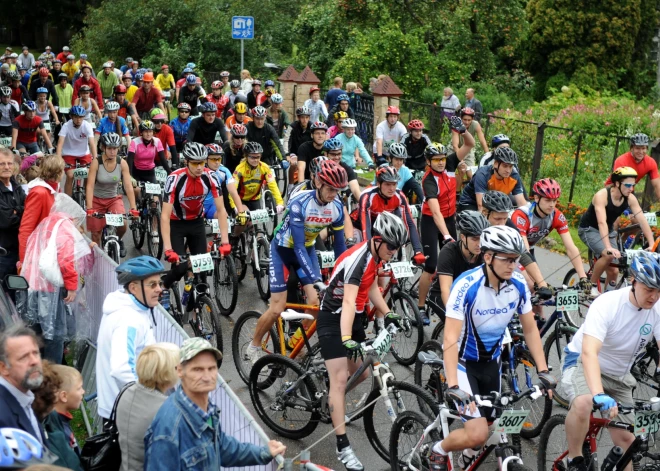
x,y
327,259
114,219
511,421
161,175
200,263
651,218
647,421
152,188
47,126
81,173
5,141
401,269
507,337
383,343
259,216
215,226
64,110
567,300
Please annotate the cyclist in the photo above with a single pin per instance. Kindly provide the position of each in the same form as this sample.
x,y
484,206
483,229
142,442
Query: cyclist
x,y
316,106
45,108
337,128
187,71
481,304
474,128
340,320
455,258
266,135
165,80
308,213
64,92
354,152
332,148
125,110
208,128
255,97
226,180
310,150
180,125
76,144
388,132
300,130
239,115
500,176
25,129
44,82
343,104
88,104
70,68
407,183
127,80
112,123
192,94
9,111
182,218
147,97
637,159
233,148
385,197
439,207
18,92
163,132
86,79
126,327
142,154
251,174
234,92
597,362
102,192
277,117
219,99
224,77
107,80
497,141
596,228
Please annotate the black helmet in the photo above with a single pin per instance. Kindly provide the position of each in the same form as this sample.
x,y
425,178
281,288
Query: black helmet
x,y
506,155
472,223
496,201
252,148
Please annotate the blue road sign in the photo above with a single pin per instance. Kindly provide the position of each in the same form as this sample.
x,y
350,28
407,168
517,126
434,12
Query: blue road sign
x,y
242,27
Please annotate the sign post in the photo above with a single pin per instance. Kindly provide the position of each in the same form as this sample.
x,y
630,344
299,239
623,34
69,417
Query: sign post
x,y
242,27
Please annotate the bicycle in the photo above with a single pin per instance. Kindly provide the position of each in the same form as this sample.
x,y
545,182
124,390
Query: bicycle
x,y
250,246
205,321
281,177
225,280
80,173
109,238
268,204
410,447
647,422
148,224
292,400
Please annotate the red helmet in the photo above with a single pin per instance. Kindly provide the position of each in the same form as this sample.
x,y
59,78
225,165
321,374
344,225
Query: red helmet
x,y
332,174
120,89
238,130
217,84
392,110
44,72
547,188
214,149
314,89
467,111
416,124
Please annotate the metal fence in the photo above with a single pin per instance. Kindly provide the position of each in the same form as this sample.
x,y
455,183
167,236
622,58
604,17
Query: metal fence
x,y
579,160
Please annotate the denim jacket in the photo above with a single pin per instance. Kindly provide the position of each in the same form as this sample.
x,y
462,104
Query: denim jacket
x,y
181,438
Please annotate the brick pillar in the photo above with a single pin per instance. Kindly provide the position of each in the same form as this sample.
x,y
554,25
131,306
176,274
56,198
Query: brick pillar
x,y
287,87
386,93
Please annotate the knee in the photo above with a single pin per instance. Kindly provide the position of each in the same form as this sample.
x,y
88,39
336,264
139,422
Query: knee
x,y
612,272
477,436
277,305
581,406
69,174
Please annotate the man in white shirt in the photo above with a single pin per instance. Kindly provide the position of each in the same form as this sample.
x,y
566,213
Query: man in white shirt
x,y
26,59
596,369
388,132
76,144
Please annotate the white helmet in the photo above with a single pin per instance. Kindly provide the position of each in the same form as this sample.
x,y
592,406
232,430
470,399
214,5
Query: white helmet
x,y
112,106
391,228
349,123
502,239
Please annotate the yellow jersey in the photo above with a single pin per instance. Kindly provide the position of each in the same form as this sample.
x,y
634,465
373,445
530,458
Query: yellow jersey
x,y
130,91
70,70
165,83
249,182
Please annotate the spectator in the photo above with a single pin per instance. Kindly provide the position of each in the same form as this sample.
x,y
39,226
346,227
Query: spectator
x,y
60,437
21,373
472,102
40,199
12,203
317,108
246,81
156,372
189,421
26,59
450,103
373,81
336,90
46,395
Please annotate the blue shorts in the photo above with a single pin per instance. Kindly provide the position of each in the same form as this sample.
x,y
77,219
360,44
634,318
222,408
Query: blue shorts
x,y
282,256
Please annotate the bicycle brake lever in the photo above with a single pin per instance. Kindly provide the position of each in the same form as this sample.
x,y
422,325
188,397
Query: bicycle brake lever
x,y
537,393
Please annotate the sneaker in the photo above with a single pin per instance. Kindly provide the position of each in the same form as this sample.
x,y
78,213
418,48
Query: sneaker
x,y
594,292
465,460
122,249
425,317
438,461
351,462
254,353
577,464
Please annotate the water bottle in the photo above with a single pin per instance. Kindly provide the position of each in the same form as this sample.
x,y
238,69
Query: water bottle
x,y
612,459
629,241
186,292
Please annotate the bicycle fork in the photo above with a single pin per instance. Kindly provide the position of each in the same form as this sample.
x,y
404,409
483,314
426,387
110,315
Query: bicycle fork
x,y
381,381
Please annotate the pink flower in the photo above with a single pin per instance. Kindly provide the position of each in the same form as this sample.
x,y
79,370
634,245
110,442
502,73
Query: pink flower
x,y
607,123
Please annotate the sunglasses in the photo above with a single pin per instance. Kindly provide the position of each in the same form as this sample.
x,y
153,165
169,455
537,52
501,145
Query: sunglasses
x,y
629,185
196,163
254,157
510,261
390,247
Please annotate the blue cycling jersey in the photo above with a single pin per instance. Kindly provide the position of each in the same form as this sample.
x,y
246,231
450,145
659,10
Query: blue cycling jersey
x,y
105,126
224,177
180,129
485,313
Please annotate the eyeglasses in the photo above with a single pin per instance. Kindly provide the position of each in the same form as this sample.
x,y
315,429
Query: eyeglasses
x,y
255,157
196,163
335,153
215,160
155,284
510,261
629,185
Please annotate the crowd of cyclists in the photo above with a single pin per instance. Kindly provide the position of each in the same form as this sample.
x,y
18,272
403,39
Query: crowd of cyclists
x,y
465,221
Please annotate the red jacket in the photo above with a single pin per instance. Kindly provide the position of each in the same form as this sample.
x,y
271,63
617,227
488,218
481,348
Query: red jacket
x,y
96,90
40,199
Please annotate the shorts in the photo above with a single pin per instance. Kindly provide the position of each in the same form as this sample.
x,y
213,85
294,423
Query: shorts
x,y
430,236
283,256
479,377
574,384
148,176
104,205
253,205
30,147
592,239
329,331
71,160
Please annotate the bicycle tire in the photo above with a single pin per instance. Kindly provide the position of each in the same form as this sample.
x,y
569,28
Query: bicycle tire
x,y
225,282
553,356
378,432
408,427
240,263
261,273
438,332
539,412
154,246
269,203
278,366
176,308
138,232
207,308
282,178
423,372
240,341
113,251
406,343
542,463
79,197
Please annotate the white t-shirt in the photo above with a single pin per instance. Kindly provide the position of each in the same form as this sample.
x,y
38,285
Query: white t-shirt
x,y
624,330
77,139
389,135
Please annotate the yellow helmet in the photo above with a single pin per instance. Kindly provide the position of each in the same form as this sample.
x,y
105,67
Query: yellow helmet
x,y
622,173
240,108
340,115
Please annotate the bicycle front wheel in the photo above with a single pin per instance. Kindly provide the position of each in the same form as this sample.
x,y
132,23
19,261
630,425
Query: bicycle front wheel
x,y
137,230
408,341
113,251
553,350
269,203
525,378
553,446
208,321
241,338
407,431
154,240
225,284
575,318
261,272
423,372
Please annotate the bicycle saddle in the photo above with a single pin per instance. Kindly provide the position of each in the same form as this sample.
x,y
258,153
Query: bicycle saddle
x,y
290,315
430,358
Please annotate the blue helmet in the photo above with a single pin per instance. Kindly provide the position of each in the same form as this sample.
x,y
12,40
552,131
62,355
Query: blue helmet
x,y
332,144
29,106
190,65
187,70
343,97
20,450
499,139
191,79
42,90
77,111
645,267
139,76
138,268
208,107
269,83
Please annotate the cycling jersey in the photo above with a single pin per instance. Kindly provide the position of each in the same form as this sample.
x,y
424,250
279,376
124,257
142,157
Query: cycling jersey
x,y
255,99
27,128
372,204
416,159
485,312
165,83
297,136
249,182
224,177
536,228
186,95
124,110
647,166
441,186
206,133
355,267
220,102
8,113
187,193
306,212
232,156
348,150
229,122
105,126
19,94
269,140
180,129
485,179
145,154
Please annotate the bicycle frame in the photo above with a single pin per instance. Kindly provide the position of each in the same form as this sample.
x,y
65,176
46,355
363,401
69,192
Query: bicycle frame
x,y
308,332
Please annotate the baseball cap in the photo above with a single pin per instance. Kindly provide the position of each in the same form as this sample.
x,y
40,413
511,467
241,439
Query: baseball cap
x,y
196,345
165,66
13,55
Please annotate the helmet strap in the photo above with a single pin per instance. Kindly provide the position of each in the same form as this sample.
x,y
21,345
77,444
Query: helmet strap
x,y
467,249
386,198
635,295
539,212
497,170
499,278
377,240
